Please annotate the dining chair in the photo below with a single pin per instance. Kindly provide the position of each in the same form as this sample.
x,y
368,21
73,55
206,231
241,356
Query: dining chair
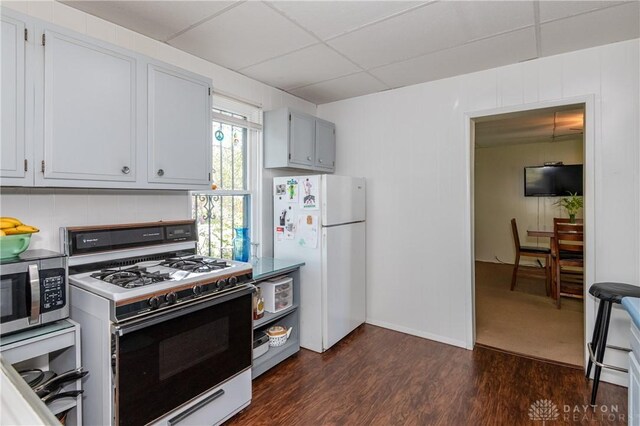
x,y
537,252
567,255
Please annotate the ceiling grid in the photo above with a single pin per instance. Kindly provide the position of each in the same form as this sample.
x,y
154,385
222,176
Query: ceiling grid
x,y
324,51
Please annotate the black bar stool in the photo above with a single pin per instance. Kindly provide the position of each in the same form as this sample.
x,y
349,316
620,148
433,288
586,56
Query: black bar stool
x,y
608,293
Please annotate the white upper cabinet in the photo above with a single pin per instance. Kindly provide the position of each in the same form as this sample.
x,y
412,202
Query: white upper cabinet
x,y
179,120
325,144
298,140
90,118
14,164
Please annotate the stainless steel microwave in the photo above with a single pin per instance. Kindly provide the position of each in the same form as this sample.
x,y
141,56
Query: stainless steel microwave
x,y
33,290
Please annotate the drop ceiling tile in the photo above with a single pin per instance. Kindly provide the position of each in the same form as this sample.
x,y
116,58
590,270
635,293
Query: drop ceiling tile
x,y
420,31
243,36
591,29
301,68
551,10
340,88
329,18
155,19
475,56
487,18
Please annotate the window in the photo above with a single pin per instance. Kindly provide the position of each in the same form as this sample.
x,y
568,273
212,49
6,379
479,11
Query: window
x,y
232,202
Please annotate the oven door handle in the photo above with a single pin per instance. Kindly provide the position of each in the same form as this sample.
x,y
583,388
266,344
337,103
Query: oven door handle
x,y
135,325
180,417
34,284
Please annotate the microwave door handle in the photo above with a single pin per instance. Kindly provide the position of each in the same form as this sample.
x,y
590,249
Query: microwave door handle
x,y
34,284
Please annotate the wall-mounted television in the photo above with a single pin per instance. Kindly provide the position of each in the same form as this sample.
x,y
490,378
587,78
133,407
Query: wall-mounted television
x,y
552,181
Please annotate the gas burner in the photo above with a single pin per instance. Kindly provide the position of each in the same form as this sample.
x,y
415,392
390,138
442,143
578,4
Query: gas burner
x,y
130,277
195,264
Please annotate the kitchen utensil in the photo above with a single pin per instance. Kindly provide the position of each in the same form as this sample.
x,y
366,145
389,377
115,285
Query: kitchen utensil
x,y
48,399
43,378
55,383
12,245
32,377
278,335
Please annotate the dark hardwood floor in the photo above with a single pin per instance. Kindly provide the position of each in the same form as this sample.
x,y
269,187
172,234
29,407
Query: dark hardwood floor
x,y
377,376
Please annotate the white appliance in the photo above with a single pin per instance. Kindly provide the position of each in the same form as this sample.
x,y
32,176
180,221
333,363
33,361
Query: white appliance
x,y
166,334
320,220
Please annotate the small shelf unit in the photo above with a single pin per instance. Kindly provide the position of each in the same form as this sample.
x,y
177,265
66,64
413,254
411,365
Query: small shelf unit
x,y
55,347
289,317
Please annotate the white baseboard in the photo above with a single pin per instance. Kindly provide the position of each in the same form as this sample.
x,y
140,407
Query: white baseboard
x,y
419,333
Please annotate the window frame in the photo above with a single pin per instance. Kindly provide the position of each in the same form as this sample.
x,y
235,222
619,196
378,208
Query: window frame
x,y
253,160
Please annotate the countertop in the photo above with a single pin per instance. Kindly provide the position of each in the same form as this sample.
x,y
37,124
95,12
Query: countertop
x,y
266,267
632,305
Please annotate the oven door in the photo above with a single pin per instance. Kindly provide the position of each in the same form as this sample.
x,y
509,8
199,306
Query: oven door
x,y
163,362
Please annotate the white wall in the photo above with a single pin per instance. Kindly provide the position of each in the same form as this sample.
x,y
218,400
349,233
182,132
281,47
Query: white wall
x,y
411,146
49,209
499,196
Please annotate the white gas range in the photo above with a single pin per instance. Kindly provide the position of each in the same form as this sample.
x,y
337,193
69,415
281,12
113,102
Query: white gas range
x,y
168,333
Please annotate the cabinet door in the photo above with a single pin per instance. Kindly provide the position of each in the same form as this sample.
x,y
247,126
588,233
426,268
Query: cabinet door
x,y
89,111
302,136
13,152
179,128
325,144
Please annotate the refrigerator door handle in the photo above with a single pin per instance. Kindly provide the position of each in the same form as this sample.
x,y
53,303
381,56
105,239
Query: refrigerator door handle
x,y
342,224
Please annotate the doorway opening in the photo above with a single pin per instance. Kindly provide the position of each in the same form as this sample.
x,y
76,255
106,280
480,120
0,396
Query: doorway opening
x,y
525,164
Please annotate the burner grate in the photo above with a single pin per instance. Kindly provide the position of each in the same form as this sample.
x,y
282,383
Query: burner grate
x,y
130,277
195,264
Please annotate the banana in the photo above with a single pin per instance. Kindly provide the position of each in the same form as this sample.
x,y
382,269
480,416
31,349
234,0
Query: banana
x,y
4,224
12,231
27,229
12,226
13,220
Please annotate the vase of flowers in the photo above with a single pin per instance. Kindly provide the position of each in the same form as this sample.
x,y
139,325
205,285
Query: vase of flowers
x,y
572,204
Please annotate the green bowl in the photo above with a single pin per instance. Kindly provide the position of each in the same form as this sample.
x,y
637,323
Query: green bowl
x,y
12,245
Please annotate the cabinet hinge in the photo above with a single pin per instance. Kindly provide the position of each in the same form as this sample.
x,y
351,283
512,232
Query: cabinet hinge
x,y
44,39
289,156
289,117
42,166
26,34
209,91
209,177
26,165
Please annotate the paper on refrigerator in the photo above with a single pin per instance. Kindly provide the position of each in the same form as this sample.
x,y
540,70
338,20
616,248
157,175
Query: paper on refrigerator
x,y
310,190
307,231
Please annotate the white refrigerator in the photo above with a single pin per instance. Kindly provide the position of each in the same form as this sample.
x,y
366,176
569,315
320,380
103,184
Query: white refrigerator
x,y
320,220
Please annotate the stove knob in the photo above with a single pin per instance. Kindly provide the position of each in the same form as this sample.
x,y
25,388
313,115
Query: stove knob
x,y
154,302
197,290
233,280
171,298
220,285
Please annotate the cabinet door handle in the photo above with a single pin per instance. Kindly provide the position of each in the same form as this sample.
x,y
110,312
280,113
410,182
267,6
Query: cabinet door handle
x,y
320,161
126,170
309,158
160,172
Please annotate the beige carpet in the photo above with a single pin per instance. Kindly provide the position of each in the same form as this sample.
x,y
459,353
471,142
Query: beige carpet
x,y
526,321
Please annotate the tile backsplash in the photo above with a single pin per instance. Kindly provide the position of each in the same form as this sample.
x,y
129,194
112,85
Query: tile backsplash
x,y
49,209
